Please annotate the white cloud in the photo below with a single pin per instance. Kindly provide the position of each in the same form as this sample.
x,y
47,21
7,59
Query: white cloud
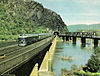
x,y
88,1
95,1
82,1
79,1
89,14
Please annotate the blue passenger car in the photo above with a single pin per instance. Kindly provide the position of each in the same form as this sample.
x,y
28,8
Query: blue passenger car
x,y
27,39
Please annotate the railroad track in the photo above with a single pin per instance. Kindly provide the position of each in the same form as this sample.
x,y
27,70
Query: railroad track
x,y
8,46
14,51
9,49
11,52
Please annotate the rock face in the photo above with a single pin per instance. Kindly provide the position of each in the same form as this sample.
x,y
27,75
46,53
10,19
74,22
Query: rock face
x,y
46,17
32,12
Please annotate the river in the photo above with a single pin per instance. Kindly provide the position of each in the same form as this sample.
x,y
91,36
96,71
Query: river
x,y
78,53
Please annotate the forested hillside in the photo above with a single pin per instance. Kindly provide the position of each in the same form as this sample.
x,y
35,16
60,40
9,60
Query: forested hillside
x,y
84,27
21,16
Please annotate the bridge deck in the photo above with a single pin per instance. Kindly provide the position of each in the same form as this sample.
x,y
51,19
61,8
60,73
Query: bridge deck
x,y
80,36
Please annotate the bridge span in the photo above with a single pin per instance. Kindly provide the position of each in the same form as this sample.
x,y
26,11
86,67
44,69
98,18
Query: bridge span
x,y
82,35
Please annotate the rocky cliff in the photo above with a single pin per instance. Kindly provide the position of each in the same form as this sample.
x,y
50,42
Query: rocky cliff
x,y
26,16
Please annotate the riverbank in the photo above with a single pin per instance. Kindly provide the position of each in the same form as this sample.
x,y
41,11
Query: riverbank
x,y
77,72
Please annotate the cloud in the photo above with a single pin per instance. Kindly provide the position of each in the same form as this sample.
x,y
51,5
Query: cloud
x,y
79,1
82,1
89,14
55,0
95,1
88,1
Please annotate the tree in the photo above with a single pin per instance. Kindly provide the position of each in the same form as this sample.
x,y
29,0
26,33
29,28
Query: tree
x,y
93,64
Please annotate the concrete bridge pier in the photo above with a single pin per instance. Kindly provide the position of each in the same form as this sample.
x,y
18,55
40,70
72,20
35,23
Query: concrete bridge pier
x,y
67,38
74,40
82,46
70,38
63,37
95,42
83,40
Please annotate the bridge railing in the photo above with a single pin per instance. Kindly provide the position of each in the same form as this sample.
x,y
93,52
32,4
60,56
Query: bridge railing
x,y
35,70
81,34
45,67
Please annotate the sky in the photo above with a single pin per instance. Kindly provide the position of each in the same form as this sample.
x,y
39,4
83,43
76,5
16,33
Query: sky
x,y
75,11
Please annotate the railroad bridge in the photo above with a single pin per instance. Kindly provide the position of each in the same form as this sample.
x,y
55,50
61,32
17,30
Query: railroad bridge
x,y
16,56
82,35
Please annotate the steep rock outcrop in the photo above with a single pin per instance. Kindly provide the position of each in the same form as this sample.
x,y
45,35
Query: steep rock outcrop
x,y
46,17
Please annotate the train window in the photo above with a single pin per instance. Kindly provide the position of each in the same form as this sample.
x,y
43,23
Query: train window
x,y
21,40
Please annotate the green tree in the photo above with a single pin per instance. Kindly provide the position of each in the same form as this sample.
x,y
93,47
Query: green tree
x,y
93,64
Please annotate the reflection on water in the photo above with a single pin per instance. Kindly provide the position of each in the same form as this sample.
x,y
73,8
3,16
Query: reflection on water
x,y
79,53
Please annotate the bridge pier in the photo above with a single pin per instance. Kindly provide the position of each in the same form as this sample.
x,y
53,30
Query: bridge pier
x,y
74,40
82,46
95,42
83,40
67,38
63,37
70,38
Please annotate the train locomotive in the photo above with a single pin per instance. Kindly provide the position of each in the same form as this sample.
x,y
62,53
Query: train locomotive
x,y
27,39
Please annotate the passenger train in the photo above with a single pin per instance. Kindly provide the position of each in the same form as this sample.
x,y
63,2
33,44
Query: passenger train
x,y
27,39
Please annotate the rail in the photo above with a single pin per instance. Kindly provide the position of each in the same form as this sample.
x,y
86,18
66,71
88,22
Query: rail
x,y
19,58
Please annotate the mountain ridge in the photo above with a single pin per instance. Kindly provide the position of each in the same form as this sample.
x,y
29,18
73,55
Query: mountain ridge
x,y
84,27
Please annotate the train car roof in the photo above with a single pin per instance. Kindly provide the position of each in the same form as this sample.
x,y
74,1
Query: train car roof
x,y
23,36
31,35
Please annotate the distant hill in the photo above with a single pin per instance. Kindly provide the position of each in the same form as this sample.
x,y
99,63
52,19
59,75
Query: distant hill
x,y
83,27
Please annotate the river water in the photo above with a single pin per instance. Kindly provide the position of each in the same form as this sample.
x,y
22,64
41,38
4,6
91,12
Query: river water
x,y
77,52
